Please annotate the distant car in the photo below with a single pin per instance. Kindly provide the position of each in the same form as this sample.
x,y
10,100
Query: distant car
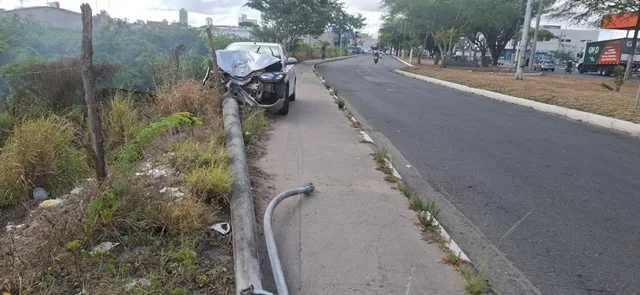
x,y
501,61
545,66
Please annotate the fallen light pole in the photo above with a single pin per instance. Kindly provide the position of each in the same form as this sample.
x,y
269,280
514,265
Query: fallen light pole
x,y
276,267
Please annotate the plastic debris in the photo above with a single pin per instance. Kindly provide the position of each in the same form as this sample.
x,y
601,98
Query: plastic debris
x,y
76,191
12,226
40,194
103,247
50,203
174,191
144,282
221,227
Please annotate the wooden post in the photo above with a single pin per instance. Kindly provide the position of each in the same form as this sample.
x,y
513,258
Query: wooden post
x,y
214,62
89,82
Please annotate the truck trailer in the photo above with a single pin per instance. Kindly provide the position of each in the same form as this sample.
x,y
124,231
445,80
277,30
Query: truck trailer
x,y
603,56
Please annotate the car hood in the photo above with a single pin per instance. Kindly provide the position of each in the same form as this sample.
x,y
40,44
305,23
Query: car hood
x,y
240,63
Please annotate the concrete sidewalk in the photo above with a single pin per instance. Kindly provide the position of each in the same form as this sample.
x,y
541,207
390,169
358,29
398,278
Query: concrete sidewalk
x,y
355,235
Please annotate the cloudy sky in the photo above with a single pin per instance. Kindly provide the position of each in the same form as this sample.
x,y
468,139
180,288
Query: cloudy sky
x,y
223,12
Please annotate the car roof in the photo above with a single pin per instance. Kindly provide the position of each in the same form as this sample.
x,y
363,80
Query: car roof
x,y
255,43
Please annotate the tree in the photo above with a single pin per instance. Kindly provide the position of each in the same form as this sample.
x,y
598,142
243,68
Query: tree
x,y
493,24
286,22
598,12
543,35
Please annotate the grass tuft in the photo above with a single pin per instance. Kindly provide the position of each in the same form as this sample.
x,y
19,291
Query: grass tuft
x,y
340,102
183,217
416,203
210,184
253,124
40,153
122,123
475,282
191,154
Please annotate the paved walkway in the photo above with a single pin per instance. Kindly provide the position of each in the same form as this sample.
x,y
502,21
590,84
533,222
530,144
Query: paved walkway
x,y
355,234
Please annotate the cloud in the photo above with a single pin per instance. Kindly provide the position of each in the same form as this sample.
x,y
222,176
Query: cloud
x,y
363,5
201,6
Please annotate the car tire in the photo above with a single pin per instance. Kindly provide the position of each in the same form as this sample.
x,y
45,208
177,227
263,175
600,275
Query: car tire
x,y
283,91
553,70
293,95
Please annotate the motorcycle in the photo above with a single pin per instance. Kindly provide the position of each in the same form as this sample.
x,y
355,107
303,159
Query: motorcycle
x,y
375,60
569,69
252,78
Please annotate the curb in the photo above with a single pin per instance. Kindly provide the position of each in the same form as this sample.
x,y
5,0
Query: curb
x,y
450,243
248,273
590,118
402,61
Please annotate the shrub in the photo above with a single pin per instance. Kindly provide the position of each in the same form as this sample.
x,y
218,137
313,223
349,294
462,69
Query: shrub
x,y
191,154
210,184
618,72
6,125
40,153
122,122
186,96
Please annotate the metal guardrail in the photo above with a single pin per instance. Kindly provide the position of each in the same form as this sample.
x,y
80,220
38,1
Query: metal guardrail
x,y
276,267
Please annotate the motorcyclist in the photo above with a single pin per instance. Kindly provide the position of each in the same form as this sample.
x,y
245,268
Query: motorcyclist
x,y
376,55
569,66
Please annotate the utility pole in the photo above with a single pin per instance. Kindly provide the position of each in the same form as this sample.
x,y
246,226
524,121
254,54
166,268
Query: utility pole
x,y
525,40
634,44
532,57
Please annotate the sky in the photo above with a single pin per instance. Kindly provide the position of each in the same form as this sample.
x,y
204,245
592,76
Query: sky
x,y
223,12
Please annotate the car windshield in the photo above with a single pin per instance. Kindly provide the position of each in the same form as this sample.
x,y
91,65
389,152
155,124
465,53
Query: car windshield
x,y
266,49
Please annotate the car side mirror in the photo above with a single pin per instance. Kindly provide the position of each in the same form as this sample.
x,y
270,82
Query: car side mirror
x,y
292,61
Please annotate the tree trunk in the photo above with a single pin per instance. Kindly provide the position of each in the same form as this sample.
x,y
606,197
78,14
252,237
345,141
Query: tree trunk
x,y
214,62
89,82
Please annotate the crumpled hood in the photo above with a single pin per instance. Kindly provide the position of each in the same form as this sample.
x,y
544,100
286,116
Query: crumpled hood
x,y
240,63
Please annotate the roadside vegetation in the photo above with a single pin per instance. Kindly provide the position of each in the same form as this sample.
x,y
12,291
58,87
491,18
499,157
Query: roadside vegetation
x,y
145,228
580,93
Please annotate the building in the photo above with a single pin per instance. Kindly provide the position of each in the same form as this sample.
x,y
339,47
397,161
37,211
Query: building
x,y
209,21
567,41
238,32
51,15
243,21
184,17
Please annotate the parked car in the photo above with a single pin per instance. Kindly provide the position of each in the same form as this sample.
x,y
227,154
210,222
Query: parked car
x,y
545,66
259,74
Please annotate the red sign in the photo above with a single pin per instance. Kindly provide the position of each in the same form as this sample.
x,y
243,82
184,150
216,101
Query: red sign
x,y
611,52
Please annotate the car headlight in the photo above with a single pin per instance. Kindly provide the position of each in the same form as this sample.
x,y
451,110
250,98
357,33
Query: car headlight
x,y
272,77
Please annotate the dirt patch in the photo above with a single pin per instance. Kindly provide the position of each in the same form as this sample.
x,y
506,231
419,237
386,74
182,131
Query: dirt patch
x,y
572,92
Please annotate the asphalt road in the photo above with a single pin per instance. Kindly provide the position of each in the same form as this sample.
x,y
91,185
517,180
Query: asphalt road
x,y
497,162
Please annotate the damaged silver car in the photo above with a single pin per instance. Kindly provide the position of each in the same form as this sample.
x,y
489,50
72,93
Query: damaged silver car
x,y
258,74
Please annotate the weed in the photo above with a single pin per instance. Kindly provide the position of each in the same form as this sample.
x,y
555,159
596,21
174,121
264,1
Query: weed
x,y
416,203
183,217
390,178
335,92
475,282
340,103
40,153
406,190
381,156
6,125
326,85
133,151
122,122
429,215
253,124
187,96
192,154
452,259
210,183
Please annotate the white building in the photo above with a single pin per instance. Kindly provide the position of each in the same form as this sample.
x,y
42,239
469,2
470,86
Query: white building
x,y
571,41
237,31
51,15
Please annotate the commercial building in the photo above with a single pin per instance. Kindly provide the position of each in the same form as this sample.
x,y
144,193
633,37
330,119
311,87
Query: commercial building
x,y
184,17
566,42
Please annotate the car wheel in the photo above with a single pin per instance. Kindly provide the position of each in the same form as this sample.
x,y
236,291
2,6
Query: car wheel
x,y
293,95
283,91
553,70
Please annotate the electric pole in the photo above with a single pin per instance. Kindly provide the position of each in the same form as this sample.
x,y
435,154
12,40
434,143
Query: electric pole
x,y
525,40
532,57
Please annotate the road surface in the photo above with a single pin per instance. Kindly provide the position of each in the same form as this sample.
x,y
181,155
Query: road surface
x,y
498,162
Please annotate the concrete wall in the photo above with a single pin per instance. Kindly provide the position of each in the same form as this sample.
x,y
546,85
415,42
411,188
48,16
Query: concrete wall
x,y
54,17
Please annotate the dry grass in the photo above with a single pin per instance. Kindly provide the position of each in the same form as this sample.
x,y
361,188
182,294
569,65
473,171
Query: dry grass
x,y
188,96
40,153
585,94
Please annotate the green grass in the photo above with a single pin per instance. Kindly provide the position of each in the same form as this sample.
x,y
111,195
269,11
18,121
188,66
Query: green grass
x,y
380,156
253,124
416,203
210,184
122,122
191,154
340,103
475,282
